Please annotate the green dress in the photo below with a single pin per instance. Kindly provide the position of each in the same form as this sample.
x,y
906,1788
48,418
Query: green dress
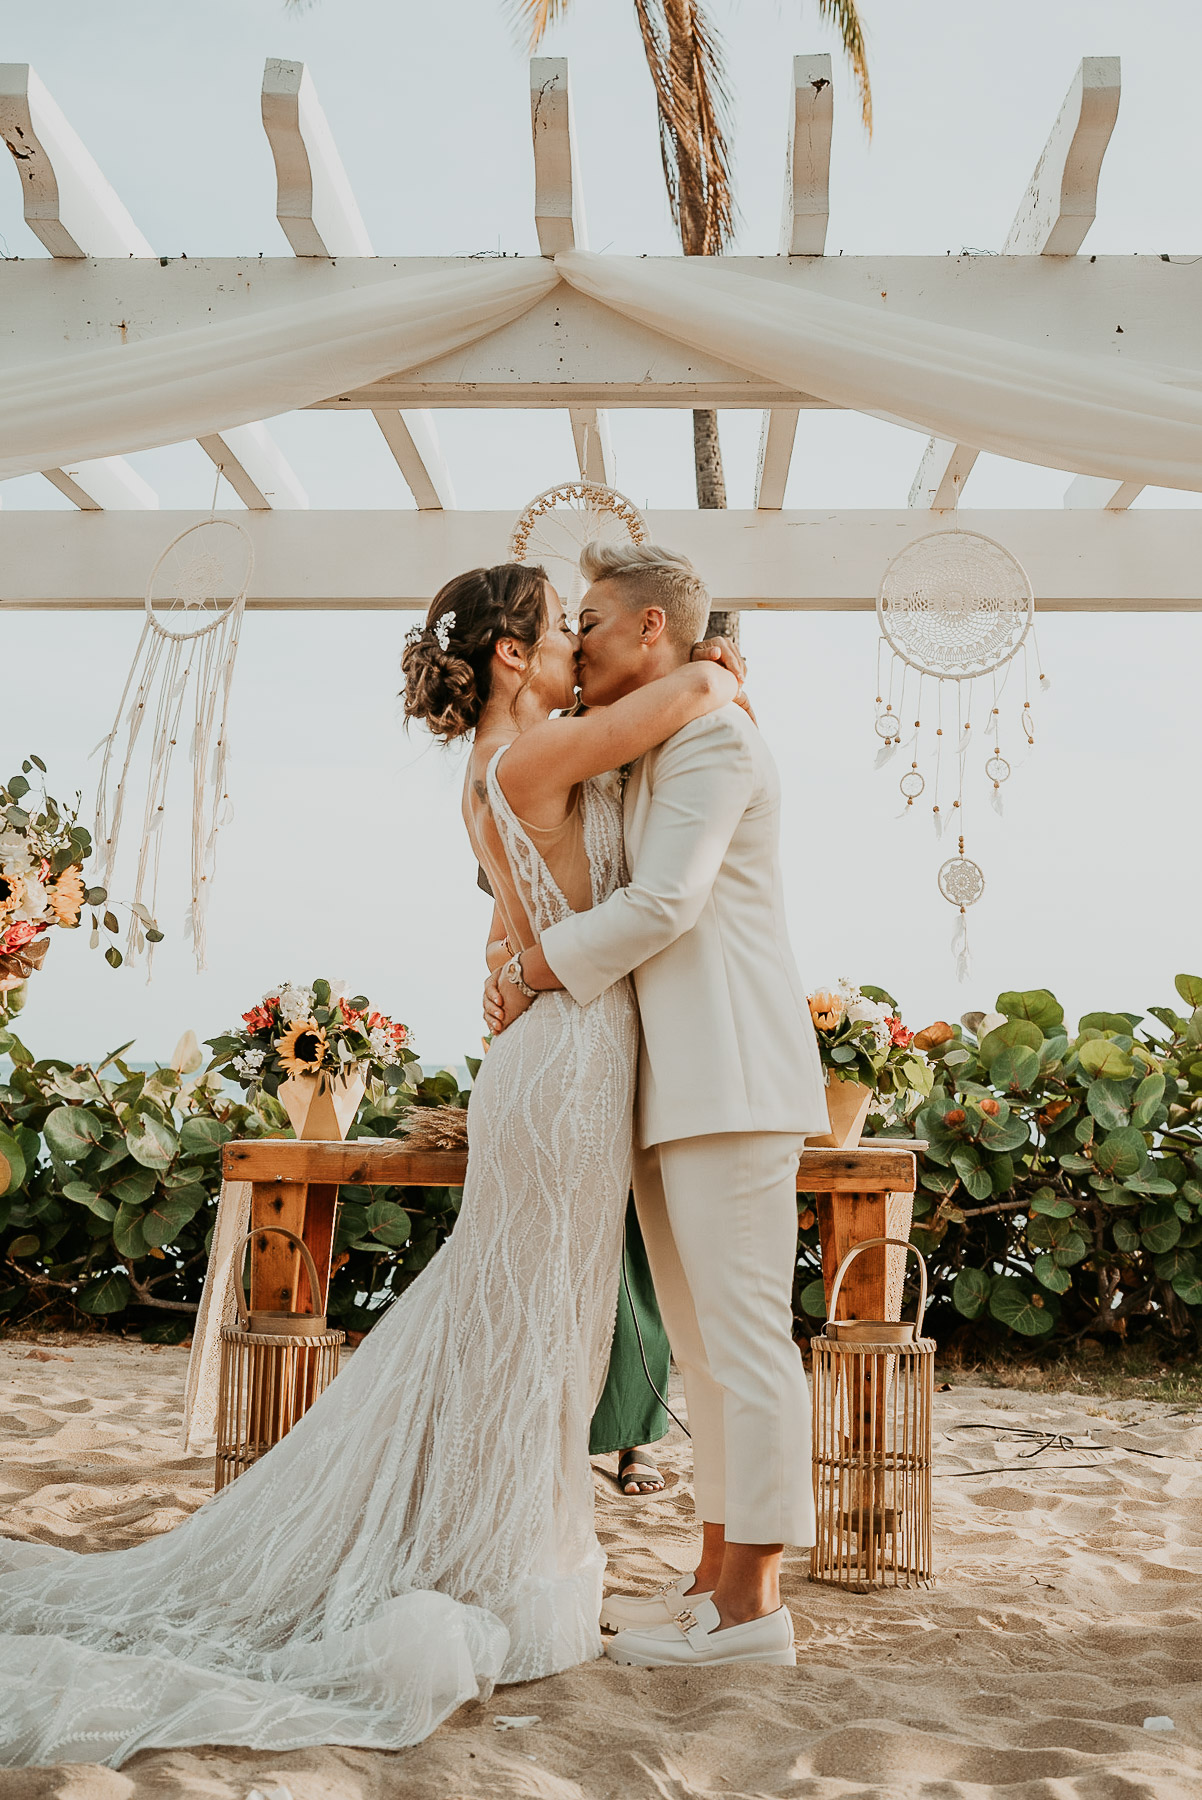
x,y
629,1411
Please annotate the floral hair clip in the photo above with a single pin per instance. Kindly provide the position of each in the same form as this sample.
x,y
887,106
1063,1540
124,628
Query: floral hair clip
x,y
443,630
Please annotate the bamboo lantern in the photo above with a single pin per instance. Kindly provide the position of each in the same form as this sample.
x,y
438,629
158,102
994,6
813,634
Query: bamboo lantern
x,y
273,1366
873,1389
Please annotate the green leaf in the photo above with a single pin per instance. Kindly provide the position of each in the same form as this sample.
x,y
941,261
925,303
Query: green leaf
x,y
977,1183
813,1300
1015,1069
1050,1275
1120,1153
1073,1249
1126,1236
37,762
136,1187
127,1232
1149,1184
1003,1134
18,787
388,1223
166,1218
1108,1102
108,1294
1104,1022
14,1161
1149,1096
71,1132
150,1142
1012,1303
153,935
1048,1202
112,957
1190,988
80,1194
1015,1034
1171,1263
1159,1227
24,1246
970,1292
1036,1004
1102,1057
1188,1287
201,1135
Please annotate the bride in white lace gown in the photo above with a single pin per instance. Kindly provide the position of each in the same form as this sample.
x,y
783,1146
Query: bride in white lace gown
x,y
426,1529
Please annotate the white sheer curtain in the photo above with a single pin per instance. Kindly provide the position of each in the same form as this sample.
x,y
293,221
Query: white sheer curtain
x,y
1093,414
186,384
1090,414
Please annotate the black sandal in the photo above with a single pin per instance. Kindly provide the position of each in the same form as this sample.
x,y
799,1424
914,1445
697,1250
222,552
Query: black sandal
x,y
651,1483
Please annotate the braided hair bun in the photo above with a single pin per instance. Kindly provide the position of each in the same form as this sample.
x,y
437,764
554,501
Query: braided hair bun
x,y
447,662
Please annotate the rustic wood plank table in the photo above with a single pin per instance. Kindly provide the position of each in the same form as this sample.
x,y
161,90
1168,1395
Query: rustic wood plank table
x,y
862,1193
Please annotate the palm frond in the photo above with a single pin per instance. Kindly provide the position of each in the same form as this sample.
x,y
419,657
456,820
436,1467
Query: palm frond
x,y
842,14
692,106
536,17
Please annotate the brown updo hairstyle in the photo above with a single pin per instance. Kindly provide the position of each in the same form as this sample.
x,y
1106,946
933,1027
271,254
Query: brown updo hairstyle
x,y
448,688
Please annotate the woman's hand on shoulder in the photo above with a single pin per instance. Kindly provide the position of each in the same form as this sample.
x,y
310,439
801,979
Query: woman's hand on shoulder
x,y
720,650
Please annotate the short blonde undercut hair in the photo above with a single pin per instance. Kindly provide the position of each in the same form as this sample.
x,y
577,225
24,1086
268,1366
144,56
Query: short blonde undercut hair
x,y
653,576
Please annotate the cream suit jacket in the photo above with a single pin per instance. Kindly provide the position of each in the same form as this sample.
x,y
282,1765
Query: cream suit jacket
x,y
727,1041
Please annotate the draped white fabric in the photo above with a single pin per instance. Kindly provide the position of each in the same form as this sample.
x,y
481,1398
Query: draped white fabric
x,y
187,384
1088,414
1092,414
217,1308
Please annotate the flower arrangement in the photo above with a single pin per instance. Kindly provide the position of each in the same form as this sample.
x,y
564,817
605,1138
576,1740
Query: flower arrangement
x,y
861,1038
312,1031
43,848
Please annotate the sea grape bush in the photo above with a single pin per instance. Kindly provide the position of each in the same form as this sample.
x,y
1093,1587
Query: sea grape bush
x,y
1060,1195
109,1179
1061,1190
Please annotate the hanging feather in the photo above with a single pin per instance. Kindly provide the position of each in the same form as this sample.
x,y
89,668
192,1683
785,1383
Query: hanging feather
x,y
995,800
883,754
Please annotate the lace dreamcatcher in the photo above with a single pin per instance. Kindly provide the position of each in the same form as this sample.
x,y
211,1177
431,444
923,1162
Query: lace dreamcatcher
x,y
177,693
956,614
557,524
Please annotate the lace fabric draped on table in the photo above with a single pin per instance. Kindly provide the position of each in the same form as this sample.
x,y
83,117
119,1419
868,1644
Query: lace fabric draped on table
x,y
427,1528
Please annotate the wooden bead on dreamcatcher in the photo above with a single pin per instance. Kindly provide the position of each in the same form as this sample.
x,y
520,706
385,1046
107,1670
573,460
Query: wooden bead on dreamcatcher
x,y
194,606
953,607
557,524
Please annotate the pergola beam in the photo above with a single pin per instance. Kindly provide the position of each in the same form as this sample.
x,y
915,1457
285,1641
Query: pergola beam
x,y
1078,561
255,467
804,220
1053,217
1096,491
108,484
319,215
560,223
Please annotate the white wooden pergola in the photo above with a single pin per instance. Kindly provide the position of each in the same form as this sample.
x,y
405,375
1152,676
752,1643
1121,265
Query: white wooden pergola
x,y
104,283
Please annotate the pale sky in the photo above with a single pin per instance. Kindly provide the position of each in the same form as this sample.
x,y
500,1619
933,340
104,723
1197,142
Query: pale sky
x,y
346,856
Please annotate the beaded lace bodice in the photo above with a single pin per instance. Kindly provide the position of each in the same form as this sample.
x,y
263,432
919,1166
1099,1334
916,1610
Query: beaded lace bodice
x,y
426,1529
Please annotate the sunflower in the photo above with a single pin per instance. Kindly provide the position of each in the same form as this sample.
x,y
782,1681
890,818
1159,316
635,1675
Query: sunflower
x,y
66,896
12,892
302,1048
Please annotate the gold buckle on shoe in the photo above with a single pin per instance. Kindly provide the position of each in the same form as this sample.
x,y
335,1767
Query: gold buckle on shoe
x,y
686,1621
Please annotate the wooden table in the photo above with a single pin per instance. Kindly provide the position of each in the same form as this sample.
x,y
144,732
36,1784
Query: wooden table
x,y
862,1193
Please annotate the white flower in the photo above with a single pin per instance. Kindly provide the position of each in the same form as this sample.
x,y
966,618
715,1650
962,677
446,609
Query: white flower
x,y
250,1062
295,1002
15,857
382,1044
35,899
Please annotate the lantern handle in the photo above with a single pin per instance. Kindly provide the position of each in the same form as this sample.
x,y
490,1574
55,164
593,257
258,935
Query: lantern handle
x,y
238,1261
898,1244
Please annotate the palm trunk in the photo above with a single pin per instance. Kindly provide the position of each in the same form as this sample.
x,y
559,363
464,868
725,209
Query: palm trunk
x,y
711,493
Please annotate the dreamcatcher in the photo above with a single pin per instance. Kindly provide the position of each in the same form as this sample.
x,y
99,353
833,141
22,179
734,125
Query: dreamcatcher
x,y
953,608
557,524
194,605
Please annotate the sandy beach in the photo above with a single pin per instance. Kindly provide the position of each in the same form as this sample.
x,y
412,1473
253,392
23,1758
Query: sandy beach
x,y
1068,1611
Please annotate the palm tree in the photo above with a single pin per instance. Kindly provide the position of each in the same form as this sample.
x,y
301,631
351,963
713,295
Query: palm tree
x,y
684,58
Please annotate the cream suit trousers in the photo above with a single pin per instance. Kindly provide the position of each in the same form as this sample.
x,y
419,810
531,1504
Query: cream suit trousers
x,y
719,1219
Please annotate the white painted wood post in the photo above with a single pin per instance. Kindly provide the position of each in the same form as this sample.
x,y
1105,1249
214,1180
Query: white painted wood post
x,y
315,206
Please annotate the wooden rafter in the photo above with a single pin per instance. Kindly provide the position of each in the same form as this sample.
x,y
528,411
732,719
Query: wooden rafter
x,y
394,559
1053,217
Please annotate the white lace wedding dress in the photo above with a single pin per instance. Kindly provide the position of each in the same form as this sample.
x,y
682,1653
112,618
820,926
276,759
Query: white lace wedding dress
x,y
427,1528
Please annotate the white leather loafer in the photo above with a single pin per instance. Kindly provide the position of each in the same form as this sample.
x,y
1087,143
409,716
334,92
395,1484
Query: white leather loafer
x,y
693,1640
620,1612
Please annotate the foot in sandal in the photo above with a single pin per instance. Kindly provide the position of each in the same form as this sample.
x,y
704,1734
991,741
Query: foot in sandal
x,y
638,1473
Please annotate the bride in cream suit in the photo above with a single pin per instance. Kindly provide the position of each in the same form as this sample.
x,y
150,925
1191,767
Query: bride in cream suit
x,y
729,1085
